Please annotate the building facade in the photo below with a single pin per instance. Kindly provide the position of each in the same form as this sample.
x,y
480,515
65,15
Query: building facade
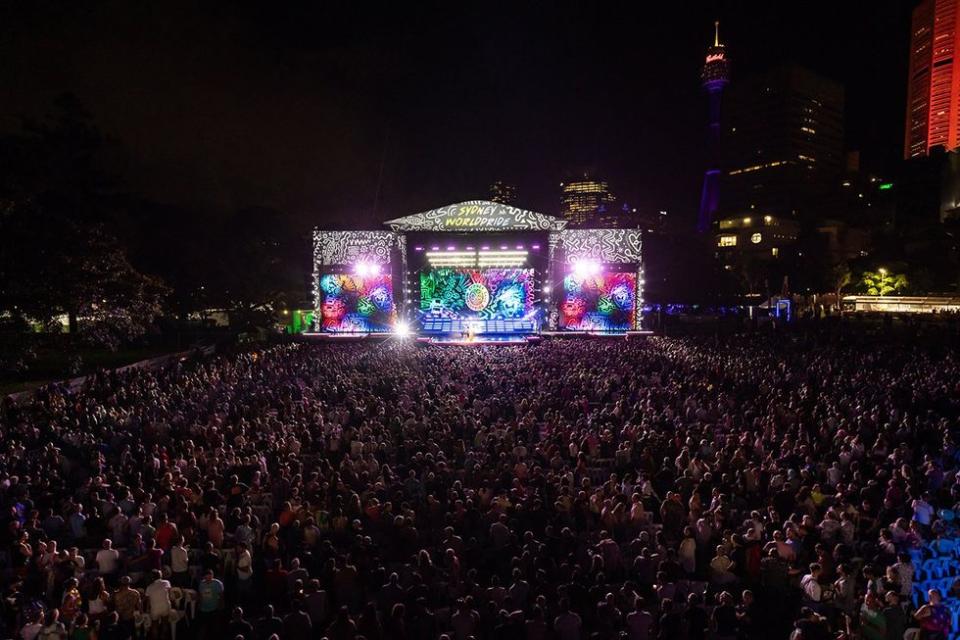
x,y
503,192
583,200
763,236
933,83
783,143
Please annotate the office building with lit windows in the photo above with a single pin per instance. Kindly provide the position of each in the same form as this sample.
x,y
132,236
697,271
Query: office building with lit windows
x,y
760,235
503,192
783,143
933,81
583,200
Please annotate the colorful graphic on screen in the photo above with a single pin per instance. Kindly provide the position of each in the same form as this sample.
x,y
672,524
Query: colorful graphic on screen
x,y
353,303
490,294
600,302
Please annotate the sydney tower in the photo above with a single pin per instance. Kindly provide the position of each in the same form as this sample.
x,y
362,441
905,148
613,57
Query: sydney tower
x,y
715,76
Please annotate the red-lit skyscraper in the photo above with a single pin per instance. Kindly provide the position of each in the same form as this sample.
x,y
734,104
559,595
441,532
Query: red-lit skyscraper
x,y
715,76
933,83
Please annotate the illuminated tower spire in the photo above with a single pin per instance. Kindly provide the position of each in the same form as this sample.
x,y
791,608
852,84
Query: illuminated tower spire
x,y
715,76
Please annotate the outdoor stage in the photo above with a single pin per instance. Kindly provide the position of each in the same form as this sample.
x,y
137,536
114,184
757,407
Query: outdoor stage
x,y
477,272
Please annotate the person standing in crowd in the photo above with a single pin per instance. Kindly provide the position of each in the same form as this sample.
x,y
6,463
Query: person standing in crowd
x,y
210,593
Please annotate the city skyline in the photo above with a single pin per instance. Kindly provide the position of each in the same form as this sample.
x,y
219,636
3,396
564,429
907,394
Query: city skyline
x,y
383,139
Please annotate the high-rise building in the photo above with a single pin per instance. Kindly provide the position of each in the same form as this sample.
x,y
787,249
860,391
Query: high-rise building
x,y
582,200
503,192
783,143
715,76
933,83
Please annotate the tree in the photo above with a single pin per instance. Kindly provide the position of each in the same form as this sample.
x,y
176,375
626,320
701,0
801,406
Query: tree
x,y
881,282
57,256
842,277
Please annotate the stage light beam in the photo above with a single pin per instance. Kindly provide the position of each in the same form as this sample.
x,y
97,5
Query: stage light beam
x,y
584,268
364,269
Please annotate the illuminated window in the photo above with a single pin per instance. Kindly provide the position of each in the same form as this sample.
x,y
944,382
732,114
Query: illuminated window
x,y
727,224
727,241
808,130
756,238
775,251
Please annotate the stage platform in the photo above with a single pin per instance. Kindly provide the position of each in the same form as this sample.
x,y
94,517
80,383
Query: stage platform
x,y
470,341
480,339
453,326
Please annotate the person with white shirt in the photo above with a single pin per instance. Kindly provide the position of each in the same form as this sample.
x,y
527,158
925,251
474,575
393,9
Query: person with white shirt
x,y
687,553
108,560
721,568
180,564
244,572
922,511
813,594
158,595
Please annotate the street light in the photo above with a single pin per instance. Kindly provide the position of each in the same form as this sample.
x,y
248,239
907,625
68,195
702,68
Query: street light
x,y
882,271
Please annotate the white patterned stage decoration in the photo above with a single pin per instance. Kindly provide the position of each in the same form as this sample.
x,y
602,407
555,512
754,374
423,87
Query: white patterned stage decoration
x,y
614,246
477,215
348,247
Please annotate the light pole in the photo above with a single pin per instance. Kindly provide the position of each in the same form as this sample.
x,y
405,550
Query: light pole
x,y
883,279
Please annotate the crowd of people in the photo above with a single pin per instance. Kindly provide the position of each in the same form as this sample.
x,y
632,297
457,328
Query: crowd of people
x,y
734,488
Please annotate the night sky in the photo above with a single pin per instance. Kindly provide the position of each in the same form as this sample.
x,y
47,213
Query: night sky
x,y
309,108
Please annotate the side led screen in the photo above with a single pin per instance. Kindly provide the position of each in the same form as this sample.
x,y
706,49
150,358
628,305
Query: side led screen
x,y
354,303
599,302
490,294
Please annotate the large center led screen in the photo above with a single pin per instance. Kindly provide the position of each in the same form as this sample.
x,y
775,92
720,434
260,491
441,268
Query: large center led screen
x,y
490,294
599,302
353,303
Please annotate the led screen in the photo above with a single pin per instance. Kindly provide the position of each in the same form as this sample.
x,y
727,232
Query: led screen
x,y
490,294
601,302
353,303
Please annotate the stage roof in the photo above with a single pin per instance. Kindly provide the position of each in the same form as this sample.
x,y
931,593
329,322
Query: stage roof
x,y
477,215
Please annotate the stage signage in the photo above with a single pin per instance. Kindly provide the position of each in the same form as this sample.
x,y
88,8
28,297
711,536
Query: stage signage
x,y
477,217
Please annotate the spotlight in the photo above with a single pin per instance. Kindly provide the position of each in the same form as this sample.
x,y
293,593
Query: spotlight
x,y
402,330
364,269
546,288
584,268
